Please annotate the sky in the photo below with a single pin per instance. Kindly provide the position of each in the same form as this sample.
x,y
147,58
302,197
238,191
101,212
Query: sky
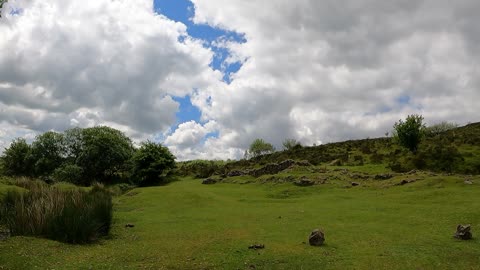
x,y
207,77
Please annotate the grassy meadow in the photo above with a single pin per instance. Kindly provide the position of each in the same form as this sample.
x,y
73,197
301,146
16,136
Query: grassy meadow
x,y
187,225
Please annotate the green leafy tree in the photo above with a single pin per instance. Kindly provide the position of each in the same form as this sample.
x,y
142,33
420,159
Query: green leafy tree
x,y
48,153
16,158
289,144
410,132
104,153
260,147
151,163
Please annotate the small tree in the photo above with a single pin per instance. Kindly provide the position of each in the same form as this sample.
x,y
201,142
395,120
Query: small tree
x,y
289,144
409,133
47,152
16,158
151,163
260,147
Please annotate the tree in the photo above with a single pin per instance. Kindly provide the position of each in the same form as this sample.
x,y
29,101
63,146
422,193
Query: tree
x,y
104,153
409,133
151,163
260,147
47,152
16,158
289,144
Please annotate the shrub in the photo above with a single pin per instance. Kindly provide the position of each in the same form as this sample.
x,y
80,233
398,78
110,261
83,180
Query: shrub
x,y
71,216
289,144
151,163
68,173
409,133
259,147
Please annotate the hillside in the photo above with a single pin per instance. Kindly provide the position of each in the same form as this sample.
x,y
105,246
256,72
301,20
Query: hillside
x,y
454,151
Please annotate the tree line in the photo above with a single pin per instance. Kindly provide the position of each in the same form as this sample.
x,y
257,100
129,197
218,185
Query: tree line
x,y
83,156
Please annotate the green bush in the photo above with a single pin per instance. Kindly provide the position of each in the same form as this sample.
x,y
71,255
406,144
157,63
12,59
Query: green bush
x,y
71,216
68,173
151,163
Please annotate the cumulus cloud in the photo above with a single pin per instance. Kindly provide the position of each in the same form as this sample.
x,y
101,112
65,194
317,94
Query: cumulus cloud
x,y
65,63
317,71
324,71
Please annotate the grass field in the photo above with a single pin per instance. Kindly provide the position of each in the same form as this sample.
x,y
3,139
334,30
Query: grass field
x,y
186,225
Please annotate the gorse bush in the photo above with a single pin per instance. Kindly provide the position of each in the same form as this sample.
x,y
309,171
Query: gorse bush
x,y
71,216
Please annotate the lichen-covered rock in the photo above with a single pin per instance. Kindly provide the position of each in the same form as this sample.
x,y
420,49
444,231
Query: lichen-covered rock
x,y
463,232
316,238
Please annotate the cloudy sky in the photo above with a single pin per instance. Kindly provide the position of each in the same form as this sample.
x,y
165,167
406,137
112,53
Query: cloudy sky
x,y
207,77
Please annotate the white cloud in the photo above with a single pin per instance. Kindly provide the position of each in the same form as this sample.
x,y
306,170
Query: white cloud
x,y
324,71
318,71
66,63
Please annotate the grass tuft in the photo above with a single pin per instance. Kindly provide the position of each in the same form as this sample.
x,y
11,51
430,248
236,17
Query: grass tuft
x,y
72,216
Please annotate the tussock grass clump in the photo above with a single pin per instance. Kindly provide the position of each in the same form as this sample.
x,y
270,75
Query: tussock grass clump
x,y
72,216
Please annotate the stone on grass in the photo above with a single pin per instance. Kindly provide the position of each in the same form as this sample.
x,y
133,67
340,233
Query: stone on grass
x,y
129,225
257,246
209,181
468,182
354,184
463,232
316,238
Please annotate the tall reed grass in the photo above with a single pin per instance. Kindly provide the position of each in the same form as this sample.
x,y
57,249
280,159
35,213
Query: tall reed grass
x,y
72,216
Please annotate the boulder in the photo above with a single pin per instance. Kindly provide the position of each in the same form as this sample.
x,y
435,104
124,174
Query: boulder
x,y
354,184
468,182
257,246
209,181
235,173
384,176
463,232
316,238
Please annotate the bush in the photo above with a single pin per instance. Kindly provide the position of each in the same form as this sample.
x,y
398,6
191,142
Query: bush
x,y
151,163
71,216
68,173
409,133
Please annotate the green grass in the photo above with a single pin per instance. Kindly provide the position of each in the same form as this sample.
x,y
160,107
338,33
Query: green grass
x,y
186,225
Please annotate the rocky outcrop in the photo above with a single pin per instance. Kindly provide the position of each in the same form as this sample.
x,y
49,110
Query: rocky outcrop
x,y
272,168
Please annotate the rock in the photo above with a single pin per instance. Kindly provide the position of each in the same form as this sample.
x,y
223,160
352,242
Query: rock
x,y
468,182
406,181
129,225
304,182
316,238
257,246
336,162
412,172
209,181
463,232
384,176
235,173
354,184
358,176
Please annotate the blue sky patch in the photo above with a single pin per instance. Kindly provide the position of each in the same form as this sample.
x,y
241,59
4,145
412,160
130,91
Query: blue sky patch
x,y
182,11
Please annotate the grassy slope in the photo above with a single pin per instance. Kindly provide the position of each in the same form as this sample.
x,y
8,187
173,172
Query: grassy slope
x,y
187,225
